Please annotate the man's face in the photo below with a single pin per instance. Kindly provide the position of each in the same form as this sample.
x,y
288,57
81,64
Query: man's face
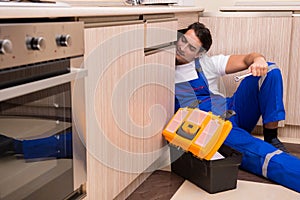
x,y
188,47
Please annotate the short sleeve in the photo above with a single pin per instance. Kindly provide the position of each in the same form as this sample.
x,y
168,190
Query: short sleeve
x,y
220,62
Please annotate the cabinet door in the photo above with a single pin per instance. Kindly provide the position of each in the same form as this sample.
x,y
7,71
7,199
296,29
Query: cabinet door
x,y
159,100
186,18
114,56
269,36
293,114
160,31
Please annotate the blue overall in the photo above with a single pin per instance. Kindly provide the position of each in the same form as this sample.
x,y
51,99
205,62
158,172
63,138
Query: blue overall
x,y
253,98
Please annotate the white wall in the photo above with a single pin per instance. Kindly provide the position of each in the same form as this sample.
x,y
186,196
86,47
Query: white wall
x,y
213,5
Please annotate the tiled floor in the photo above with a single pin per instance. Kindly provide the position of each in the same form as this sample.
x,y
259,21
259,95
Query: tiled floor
x,y
160,185
165,185
246,190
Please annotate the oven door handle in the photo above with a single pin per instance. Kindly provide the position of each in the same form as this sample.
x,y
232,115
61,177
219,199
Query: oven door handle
x,y
8,93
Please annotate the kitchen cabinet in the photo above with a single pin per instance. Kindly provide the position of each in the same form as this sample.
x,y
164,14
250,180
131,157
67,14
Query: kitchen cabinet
x,y
160,32
292,108
159,100
113,55
240,35
186,18
129,92
159,83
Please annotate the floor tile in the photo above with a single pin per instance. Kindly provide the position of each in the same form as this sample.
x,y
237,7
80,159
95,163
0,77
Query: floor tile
x,y
159,185
162,185
245,190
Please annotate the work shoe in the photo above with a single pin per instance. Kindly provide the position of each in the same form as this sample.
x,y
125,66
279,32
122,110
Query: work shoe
x,y
276,143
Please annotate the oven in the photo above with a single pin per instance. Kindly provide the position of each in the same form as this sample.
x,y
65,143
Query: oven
x,y
36,120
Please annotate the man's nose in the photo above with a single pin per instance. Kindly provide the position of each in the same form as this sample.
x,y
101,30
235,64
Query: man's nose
x,y
184,46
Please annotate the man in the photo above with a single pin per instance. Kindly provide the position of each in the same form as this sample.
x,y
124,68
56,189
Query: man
x,y
258,95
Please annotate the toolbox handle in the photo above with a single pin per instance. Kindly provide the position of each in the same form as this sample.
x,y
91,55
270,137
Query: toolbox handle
x,y
194,104
227,114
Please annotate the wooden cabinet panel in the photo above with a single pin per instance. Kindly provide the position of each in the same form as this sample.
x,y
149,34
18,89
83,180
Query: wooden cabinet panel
x,y
160,31
232,35
130,99
293,93
240,35
185,19
158,99
113,55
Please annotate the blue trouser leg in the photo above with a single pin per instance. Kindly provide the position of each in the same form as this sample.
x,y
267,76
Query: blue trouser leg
x,y
252,100
282,168
56,146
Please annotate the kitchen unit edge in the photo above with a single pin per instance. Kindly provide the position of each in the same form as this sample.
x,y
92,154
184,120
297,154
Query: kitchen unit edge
x,y
50,12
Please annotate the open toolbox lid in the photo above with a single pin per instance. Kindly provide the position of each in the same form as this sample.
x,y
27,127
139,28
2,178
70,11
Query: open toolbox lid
x,y
199,132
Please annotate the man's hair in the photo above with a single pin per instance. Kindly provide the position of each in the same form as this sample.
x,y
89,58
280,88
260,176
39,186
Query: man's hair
x,y
202,33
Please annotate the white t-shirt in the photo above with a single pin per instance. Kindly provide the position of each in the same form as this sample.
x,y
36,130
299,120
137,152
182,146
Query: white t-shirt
x,y
213,67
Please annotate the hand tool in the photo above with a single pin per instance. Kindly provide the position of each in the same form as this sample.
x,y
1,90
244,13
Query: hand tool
x,y
238,78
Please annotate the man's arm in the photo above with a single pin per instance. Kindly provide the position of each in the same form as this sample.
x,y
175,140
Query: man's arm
x,y
254,62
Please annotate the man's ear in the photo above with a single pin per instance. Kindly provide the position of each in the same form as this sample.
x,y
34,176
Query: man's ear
x,y
199,54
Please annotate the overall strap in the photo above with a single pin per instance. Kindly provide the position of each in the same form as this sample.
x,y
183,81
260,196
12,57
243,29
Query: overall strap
x,y
200,71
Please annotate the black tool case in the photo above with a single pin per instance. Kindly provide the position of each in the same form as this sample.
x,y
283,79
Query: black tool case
x,y
214,175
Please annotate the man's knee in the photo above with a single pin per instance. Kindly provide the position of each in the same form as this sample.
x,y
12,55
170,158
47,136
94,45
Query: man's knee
x,y
274,71
273,75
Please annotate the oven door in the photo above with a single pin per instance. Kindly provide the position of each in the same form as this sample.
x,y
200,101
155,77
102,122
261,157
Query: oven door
x,y
36,160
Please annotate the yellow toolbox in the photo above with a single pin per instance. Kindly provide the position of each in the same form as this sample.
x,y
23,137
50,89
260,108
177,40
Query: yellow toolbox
x,y
199,132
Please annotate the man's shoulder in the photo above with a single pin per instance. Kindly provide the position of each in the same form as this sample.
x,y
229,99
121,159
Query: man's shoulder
x,y
219,59
218,56
215,57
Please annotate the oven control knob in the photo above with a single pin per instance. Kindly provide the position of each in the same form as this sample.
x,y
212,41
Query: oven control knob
x,y
5,46
36,43
64,40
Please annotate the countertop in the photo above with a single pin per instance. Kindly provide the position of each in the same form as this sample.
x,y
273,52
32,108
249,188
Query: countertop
x,y
79,11
265,6
260,8
249,14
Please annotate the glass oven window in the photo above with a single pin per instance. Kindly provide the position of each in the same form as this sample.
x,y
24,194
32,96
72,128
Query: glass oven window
x,y
36,145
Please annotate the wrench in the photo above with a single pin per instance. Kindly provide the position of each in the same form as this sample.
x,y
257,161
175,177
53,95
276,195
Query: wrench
x,y
238,78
